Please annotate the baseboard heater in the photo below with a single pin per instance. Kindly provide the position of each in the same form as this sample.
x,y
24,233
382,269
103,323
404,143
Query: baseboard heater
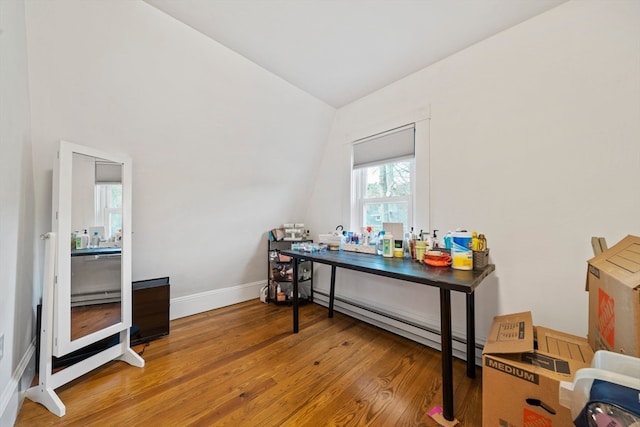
x,y
428,335
90,298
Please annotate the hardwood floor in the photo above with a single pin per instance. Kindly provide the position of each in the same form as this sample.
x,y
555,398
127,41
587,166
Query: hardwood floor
x,y
241,366
92,318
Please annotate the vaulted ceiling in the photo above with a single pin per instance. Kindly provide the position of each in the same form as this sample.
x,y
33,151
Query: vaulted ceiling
x,y
342,50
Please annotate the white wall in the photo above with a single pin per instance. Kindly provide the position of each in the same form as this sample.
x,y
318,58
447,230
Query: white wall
x,y
17,236
535,141
222,150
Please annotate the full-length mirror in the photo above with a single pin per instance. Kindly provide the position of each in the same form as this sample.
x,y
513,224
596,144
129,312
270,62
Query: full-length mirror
x,y
96,260
93,193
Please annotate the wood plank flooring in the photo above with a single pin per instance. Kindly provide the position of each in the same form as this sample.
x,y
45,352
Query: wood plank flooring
x,y
241,366
88,319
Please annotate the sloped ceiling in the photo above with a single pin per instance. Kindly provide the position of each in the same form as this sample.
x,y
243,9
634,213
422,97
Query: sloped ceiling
x,y
339,51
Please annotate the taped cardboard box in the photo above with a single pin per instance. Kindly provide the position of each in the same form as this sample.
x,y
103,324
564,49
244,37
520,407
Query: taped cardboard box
x,y
613,283
522,369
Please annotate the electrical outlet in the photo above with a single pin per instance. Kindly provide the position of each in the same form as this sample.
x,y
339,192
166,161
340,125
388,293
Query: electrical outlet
x,y
1,346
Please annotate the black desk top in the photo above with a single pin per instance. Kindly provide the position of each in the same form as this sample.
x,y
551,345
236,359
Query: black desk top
x,y
399,268
96,251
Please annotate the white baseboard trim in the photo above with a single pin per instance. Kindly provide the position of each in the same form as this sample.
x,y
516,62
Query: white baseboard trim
x,y
210,300
13,393
427,334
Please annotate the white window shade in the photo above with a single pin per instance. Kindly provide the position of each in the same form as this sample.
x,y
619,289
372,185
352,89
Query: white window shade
x,y
108,173
396,144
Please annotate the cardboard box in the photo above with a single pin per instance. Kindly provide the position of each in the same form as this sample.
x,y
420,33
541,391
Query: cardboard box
x,y
522,369
613,283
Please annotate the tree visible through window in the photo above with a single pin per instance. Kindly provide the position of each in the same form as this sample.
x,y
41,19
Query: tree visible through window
x,y
384,193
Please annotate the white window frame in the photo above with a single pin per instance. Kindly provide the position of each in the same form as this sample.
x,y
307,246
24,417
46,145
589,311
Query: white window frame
x,y
360,181
102,209
421,211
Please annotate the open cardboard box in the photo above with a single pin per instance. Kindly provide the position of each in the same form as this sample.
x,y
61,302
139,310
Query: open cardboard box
x,y
613,283
523,366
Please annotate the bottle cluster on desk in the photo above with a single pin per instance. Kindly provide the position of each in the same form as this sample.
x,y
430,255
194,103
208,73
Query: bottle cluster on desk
x,y
459,249
82,240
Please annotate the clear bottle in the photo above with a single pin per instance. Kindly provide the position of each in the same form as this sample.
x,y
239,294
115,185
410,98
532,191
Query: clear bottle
x,y
379,243
407,244
95,240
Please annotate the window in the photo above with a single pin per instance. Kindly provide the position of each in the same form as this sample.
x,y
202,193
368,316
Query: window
x,y
108,197
384,179
109,208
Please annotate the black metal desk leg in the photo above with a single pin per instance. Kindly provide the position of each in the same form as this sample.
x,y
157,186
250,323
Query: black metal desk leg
x,y
295,295
447,354
332,290
471,336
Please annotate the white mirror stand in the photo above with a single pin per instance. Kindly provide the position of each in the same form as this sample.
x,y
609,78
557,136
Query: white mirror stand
x,y
54,338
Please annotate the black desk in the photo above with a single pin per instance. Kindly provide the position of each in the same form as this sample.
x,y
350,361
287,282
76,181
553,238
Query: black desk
x,y
445,279
96,251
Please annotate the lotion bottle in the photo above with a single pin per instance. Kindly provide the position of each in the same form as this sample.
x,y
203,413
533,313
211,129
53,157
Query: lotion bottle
x,y
387,246
84,239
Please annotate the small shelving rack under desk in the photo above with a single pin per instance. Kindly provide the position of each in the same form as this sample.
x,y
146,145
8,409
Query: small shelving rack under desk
x,y
280,272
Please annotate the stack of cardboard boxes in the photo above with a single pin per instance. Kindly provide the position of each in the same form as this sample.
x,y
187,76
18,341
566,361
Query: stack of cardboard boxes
x,y
523,365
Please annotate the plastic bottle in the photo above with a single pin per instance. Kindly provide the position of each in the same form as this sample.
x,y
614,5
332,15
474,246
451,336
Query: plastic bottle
x,y
474,241
482,242
82,241
387,246
95,240
447,240
435,244
407,245
379,242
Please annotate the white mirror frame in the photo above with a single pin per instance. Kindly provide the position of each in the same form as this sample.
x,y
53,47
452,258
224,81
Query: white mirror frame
x,y
55,330
62,213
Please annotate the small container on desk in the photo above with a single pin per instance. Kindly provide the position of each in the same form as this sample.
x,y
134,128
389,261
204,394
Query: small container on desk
x,y
480,259
365,249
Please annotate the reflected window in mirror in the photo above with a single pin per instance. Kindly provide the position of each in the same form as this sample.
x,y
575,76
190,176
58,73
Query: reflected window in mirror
x,y
109,208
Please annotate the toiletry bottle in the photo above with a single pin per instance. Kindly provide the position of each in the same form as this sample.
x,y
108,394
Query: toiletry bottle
x,y
387,246
407,245
447,240
482,242
95,240
84,238
380,241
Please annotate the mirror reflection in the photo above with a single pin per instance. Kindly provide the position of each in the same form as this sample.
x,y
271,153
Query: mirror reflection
x,y
96,239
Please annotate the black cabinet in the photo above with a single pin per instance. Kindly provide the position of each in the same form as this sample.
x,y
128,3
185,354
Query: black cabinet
x,y
150,309
280,274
